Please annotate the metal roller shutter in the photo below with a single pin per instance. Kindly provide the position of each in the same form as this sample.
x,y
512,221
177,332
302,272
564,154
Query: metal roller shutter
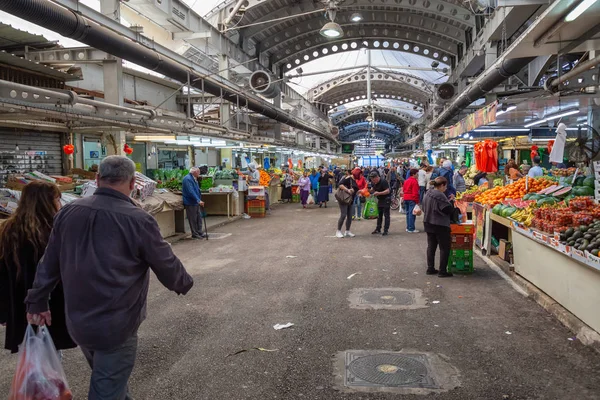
x,y
40,151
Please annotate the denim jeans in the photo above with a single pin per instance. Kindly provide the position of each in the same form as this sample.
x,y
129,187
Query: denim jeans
x,y
410,218
357,205
421,194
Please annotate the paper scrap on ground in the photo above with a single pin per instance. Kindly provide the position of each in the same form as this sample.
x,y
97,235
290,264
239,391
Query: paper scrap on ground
x,y
367,256
572,338
291,256
253,348
356,273
437,326
436,302
278,327
508,332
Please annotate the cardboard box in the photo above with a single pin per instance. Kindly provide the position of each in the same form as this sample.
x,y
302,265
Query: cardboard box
x,y
462,228
504,249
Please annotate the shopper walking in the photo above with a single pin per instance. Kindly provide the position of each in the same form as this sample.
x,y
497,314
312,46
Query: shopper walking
x,y
23,240
422,180
192,202
459,181
411,199
286,186
347,184
437,210
314,180
324,180
304,184
446,172
381,189
103,247
361,182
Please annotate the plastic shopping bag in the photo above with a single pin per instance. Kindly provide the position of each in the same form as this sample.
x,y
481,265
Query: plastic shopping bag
x,y
310,200
39,374
371,210
417,210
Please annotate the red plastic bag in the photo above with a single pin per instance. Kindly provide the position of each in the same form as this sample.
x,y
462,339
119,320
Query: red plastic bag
x,y
39,374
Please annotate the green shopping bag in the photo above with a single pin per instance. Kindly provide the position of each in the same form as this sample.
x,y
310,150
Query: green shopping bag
x,y
371,211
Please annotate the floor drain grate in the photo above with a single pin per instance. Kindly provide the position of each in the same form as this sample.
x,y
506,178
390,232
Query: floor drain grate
x,y
389,370
387,298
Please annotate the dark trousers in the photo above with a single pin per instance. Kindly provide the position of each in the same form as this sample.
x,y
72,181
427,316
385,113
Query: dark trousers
x,y
442,239
421,194
384,211
345,213
195,220
111,370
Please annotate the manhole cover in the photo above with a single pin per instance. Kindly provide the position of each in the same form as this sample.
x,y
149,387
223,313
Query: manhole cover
x,y
406,372
387,298
389,369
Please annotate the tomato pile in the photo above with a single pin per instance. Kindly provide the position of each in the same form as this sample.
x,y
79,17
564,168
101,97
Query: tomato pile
x,y
581,211
515,190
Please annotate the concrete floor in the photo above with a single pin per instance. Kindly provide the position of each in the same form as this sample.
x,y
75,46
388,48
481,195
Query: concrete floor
x,y
244,284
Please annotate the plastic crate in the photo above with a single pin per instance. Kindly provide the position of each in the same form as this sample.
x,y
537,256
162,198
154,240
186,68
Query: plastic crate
x,y
295,198
460,265
461,254
295,189
256,191
465,229
461,241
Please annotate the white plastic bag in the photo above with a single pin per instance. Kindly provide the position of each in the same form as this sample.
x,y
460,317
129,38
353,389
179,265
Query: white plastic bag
x,y
417,210
310,200
39,373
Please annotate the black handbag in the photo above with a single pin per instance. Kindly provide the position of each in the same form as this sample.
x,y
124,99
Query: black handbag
x,y
342,196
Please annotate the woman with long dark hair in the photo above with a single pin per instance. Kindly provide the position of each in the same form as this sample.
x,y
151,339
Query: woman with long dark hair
x,y
23,239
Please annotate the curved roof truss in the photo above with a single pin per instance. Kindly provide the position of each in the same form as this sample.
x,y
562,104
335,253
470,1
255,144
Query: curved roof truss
x,y
426,27
363,127
381,89
412,82
384,136
386,114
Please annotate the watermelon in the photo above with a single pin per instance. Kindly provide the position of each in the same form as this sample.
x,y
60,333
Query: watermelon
x,y
549,200
497,208
567,199
508,211
589,182
579,181
583,191
562,192
527,196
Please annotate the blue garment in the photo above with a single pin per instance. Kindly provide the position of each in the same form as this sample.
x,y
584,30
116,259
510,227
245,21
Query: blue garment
x,y
314,181
191,191
410,218
447,173
536,171
357,206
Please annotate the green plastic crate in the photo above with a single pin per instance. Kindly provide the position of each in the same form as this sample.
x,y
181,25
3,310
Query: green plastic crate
x,y
462,265
457,253
295,198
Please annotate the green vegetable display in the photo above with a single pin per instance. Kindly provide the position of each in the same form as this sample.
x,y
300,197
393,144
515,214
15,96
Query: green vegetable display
x,y
169,178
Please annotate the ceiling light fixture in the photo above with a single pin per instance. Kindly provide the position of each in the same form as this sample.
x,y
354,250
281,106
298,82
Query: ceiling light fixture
x,y
332,30
509,109
541,121
580,9
563,114
356,17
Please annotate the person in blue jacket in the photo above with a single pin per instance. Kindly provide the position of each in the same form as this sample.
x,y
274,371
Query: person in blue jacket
x,y
446,172
314,182
192,201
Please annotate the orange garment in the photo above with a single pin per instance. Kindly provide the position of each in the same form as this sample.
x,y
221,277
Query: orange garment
x,y
513,173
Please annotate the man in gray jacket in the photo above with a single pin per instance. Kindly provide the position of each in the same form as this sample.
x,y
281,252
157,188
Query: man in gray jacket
x,y
102,248
459,179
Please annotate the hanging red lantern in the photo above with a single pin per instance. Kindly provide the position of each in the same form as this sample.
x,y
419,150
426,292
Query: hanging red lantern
x,y
534,152
69,149
127,150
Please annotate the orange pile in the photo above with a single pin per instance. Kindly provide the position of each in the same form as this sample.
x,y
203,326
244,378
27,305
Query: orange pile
x,y
515,190
265,178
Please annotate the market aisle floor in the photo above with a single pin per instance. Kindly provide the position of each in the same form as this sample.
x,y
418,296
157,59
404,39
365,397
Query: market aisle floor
x,y
246,283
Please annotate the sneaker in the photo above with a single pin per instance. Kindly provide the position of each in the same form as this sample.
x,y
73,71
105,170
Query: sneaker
x,y
349,234
432,271
376,232
339,234
445,274
415,231
353,217
359,218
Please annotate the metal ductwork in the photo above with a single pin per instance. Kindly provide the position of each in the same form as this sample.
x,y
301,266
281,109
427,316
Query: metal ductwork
x,y
262,83
72,25
480,87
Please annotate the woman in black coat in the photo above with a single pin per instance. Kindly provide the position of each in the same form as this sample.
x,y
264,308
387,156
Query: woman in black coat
x,y
23,239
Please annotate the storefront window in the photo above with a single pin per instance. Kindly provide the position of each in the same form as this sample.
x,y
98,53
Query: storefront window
x,y
93,152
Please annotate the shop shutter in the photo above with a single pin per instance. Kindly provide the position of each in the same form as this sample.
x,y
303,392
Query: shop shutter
x,y
39,151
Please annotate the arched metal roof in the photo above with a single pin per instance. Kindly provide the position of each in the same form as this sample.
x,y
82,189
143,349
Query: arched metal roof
x,y
365,127
386,114
396,79
432,28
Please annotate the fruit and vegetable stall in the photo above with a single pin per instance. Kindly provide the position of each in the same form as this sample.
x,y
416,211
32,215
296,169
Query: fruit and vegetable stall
x,y
551,225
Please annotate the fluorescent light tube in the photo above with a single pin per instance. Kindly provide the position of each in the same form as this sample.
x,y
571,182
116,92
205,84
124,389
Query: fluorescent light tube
x,y
501,130
541,121
580,9
505,111
563,114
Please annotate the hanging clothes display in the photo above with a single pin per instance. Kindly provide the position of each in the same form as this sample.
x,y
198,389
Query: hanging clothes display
x,y
486,156
557,153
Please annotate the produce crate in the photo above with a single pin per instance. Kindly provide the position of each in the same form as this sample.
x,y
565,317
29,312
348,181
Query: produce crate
x,y
461,241
257,208
462,265
256,191
295,198
457,253
462,228
295,189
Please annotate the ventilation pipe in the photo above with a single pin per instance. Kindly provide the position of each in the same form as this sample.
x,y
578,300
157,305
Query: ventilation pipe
x,y
480,87
72,25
